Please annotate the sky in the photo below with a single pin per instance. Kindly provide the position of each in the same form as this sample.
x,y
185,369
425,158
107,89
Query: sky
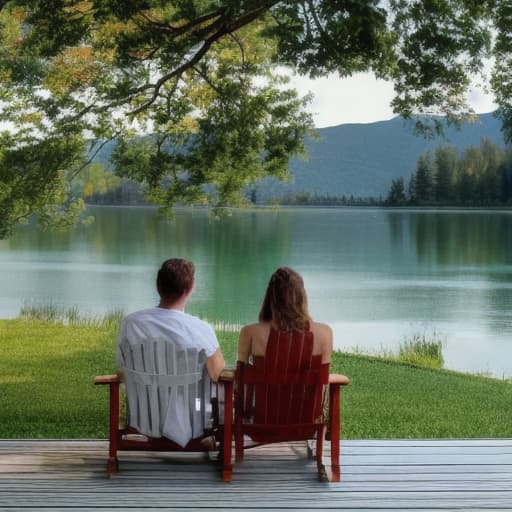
x,y
361,99
358,99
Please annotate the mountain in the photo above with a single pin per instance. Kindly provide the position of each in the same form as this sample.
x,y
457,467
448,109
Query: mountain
x,y
362,159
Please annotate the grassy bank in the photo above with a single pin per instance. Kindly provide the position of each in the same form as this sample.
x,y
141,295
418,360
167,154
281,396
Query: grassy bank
x,y
47,370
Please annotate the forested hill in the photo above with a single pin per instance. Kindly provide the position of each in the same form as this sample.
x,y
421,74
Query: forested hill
x,y
362,159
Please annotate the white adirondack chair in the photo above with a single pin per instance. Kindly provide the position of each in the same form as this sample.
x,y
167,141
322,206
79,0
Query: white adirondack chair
x,y
169,400
168,390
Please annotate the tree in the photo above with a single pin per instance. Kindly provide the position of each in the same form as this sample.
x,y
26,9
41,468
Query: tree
x,y
396,195
506,178
469,172
202,77
423,181
481,176
411,189
445,159
490,182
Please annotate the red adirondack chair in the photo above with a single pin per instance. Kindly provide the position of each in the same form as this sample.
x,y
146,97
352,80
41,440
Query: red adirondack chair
x,y
284,396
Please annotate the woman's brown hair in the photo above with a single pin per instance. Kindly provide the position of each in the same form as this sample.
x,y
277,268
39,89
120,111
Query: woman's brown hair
x,y
285,303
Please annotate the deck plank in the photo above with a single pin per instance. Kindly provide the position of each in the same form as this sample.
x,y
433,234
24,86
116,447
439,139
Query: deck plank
x,y
65,475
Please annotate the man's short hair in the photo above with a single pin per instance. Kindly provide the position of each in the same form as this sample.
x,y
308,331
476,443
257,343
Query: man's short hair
x,y
175,277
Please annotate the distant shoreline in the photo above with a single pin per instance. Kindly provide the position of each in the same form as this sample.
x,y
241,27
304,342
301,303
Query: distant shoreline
x,y
278,207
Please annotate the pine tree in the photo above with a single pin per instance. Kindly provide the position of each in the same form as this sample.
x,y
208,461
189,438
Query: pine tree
x,y
423,182
445,168
396,195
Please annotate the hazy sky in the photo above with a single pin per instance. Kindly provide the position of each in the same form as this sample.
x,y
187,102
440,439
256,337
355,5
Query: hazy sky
x,y
360,99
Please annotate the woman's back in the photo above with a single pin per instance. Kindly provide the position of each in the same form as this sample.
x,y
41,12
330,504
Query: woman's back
x,y
254,338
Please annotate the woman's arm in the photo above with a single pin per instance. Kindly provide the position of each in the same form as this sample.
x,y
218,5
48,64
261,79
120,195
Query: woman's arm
x,y
244,344
323,340
326,354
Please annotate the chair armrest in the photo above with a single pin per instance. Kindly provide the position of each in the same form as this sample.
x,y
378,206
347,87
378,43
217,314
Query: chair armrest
x,y
227,375
337,378
107,379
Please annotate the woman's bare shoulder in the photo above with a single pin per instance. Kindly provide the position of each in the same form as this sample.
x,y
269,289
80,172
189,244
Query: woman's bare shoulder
x,y
252,340
322,334
255,329
321,329
256,326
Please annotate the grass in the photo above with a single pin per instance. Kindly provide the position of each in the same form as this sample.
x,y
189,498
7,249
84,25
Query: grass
x,y
56,314
421,351
47,370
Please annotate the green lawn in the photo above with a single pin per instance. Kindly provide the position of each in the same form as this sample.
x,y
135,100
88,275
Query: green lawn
x,y
47,391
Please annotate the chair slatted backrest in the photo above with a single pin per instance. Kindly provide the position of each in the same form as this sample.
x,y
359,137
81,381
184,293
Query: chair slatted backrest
x,y
286,386
167,389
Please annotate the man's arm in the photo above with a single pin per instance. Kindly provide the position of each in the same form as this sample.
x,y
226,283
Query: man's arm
x,y
215,364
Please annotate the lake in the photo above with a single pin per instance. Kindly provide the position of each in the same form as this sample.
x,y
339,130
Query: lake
x,y
377,276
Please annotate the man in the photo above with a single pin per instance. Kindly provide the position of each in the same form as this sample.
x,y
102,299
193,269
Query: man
x,y
165,339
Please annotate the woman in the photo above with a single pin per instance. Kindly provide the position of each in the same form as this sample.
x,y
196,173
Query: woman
x,y
284,308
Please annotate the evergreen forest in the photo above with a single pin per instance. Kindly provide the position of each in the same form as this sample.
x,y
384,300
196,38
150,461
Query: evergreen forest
x,y
477,176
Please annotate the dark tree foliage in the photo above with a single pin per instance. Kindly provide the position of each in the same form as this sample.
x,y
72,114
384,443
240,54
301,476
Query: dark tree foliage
x,y
445,172
396,195
424,179
479,176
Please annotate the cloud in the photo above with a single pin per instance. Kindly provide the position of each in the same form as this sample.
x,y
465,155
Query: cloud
x,y
361,98
481,101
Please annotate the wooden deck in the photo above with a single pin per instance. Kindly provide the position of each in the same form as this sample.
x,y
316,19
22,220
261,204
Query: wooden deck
x,y
377,475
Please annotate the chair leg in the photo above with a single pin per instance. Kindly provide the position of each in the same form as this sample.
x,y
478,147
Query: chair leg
x,y
112,466
309,451
320,446
227,467
334,427
322,474
239,447
113,463
239,440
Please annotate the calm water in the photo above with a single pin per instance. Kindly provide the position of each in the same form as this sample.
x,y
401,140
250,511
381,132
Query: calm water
x,y
375,275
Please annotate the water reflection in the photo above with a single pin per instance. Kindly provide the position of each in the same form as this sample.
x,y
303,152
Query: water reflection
x,y
375,275
467,238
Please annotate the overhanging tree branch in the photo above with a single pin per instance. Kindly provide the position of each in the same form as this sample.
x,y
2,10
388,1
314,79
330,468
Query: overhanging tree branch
x,y
318,23
183,29
221,28
175,73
